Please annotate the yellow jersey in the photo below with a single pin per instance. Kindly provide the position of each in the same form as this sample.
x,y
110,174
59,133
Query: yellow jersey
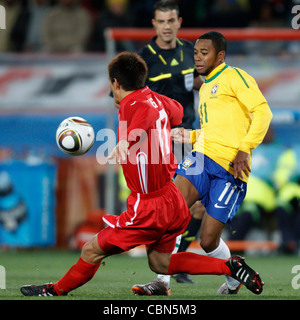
x,y
234,115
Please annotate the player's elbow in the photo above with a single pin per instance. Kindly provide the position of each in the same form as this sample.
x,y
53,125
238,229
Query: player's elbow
x,y
262,116
178,116
267,114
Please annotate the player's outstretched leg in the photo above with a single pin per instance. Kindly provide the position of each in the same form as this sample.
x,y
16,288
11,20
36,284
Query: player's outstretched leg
x,y
79,274
198,264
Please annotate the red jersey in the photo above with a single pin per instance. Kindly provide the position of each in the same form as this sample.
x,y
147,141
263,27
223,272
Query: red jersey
x,y
145,121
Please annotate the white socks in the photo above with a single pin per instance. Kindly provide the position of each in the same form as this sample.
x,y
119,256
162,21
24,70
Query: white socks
x,y
164,278
223,252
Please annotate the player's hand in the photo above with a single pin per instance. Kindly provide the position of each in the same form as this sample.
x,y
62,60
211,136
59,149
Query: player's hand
x,y
241,165
120,151
180,135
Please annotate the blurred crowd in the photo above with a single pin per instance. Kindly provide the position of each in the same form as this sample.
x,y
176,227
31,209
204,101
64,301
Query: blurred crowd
x,y
273,193
67,26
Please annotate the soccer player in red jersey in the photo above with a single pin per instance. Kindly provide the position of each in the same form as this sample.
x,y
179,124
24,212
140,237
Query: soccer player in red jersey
x,y
156,210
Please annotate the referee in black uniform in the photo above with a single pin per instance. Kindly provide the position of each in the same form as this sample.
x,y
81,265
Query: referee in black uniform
x,y
170,61
171,72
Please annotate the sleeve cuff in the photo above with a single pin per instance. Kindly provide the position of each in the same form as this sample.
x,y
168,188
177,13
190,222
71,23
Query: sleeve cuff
x,y
245,147
193,136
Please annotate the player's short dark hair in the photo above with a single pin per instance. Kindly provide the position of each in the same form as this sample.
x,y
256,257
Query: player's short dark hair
x,y
218,40
165,5
129,69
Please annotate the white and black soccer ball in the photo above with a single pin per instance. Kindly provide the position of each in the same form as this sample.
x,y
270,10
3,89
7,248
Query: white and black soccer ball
x,y
75,136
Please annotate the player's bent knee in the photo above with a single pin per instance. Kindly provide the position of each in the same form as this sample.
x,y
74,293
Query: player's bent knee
x,y
159,269
159,262
87,253
208,244
91,251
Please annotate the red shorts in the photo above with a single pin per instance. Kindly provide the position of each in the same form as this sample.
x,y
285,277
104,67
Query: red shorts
x,y
153,219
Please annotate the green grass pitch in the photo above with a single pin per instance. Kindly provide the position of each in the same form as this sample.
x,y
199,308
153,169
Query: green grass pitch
x,y
117,274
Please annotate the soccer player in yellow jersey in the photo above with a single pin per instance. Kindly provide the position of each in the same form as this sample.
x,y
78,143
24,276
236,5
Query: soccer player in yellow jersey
x,y
234,118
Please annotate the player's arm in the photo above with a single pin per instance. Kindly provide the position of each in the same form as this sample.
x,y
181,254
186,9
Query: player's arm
x,y
248,93
260,123
173,109
181,135
120,151
132,124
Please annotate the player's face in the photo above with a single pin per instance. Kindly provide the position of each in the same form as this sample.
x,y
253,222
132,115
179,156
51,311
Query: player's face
x,y
115,89
166,25
206,59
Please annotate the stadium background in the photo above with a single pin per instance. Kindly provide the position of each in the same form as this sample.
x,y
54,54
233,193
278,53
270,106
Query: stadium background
x,y
48,199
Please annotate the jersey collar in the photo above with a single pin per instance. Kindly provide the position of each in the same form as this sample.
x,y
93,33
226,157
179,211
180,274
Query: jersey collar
x,y
156,48
216,72
134,95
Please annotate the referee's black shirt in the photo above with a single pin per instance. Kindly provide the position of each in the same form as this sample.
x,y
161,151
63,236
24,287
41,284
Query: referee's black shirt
x,y
171,72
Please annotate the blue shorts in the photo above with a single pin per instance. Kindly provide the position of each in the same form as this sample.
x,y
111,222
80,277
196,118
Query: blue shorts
x,y
220,193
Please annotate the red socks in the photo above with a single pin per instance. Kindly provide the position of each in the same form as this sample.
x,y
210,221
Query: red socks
x,y
183,262
192,263
78,274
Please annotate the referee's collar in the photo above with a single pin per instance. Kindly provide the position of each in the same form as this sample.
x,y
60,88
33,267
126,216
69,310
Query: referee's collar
x,y
157,48
219,69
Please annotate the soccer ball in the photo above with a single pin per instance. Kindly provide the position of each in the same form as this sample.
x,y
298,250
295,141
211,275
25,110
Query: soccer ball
x,y
75,136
